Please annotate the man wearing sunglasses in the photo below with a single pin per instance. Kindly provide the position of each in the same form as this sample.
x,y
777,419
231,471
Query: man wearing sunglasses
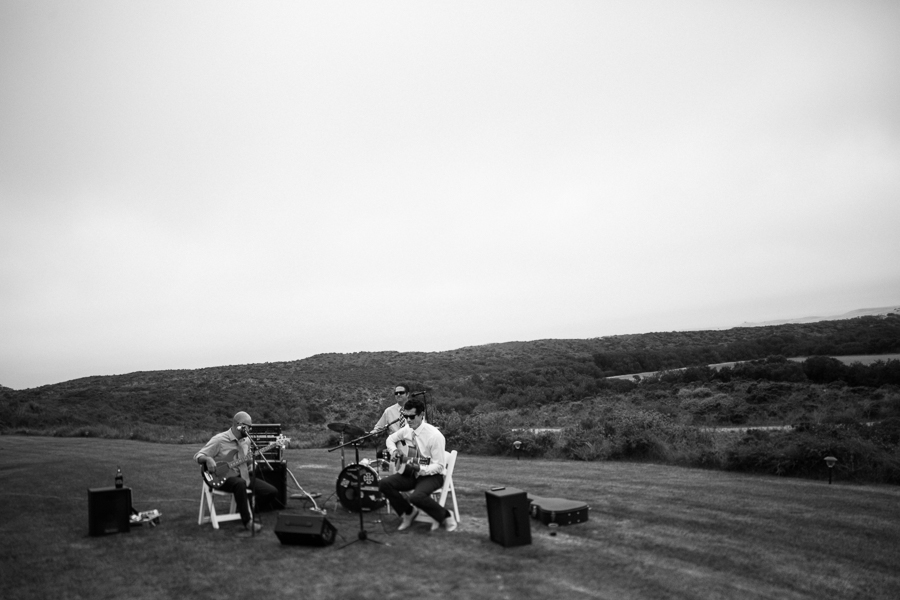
x,y
389,423
423,475
393,412
226,447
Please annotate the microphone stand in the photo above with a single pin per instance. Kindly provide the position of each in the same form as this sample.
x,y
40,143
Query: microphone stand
x,y
363,535
253,515
424,401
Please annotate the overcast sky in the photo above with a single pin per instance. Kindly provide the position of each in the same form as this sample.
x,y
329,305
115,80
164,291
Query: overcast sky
x,y
187,184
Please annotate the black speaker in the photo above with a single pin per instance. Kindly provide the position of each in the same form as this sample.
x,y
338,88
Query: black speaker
x,y
509,518
109,510
303,530
277,476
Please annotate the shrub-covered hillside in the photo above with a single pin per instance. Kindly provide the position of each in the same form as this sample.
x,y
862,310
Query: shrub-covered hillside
x,y
482,397
342,387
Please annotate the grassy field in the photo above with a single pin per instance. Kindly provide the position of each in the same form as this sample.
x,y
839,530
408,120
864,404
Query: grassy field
x,y
653,532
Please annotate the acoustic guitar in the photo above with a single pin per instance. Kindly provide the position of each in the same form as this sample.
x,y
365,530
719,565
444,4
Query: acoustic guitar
x,y
409,455
215,479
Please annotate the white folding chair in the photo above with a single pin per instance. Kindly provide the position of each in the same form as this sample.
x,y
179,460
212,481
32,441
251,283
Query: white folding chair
x,y
446,490
208,512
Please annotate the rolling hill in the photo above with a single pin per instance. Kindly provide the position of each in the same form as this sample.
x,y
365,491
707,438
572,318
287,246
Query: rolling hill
x,y
354,386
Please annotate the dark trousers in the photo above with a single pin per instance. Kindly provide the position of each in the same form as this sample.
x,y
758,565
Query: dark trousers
x,y
422,488
237,486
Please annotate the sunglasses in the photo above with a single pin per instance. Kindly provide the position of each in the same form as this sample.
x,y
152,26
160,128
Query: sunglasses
x,y
399,393
410,417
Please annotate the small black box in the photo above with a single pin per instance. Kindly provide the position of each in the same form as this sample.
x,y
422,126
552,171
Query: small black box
x,y
312,530
109,510
508,516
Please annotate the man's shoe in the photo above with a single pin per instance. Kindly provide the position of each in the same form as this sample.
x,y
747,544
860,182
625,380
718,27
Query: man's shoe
x,y
254,526
407,520
450,523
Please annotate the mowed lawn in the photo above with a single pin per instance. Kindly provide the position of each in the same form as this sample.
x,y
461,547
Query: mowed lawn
x,y
653,532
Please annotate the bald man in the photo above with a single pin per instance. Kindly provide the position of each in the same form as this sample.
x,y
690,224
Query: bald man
x,y
227,447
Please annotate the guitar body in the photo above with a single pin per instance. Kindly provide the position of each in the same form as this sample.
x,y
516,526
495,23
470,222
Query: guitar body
x,y
224,470
410,455
558,510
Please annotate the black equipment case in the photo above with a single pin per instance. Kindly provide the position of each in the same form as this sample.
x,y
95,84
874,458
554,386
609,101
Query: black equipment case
x,y
558,510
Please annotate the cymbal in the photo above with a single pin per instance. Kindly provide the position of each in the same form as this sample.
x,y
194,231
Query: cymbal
x,y
353,431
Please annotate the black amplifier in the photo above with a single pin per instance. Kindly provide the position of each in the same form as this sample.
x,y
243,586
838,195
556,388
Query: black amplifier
x,y
275,473
265,434
508,520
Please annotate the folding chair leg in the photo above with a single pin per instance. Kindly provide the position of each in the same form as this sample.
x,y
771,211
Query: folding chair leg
x,y
208,512
207,508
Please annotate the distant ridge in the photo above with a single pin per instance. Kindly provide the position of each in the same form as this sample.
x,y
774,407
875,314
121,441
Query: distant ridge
x,y
862,312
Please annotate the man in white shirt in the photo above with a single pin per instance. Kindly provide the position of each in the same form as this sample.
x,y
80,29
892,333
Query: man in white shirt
x,y
423,474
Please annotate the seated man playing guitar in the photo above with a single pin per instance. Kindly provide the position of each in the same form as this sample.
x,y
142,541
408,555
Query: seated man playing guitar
x,y
420,469
225,451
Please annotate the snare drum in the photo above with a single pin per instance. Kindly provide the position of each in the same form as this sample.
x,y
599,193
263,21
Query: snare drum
x,y
367,498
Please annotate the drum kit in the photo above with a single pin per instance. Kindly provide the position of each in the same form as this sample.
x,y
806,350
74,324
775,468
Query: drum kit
x,y
357,484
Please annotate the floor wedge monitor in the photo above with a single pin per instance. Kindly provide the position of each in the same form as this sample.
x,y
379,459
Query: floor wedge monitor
x,y
304,530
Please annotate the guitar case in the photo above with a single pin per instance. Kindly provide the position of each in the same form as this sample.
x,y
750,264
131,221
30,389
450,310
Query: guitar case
x,y
558,510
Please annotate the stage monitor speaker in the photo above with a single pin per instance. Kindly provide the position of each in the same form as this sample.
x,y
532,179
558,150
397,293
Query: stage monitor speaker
x,y
509,518
303,530
109,510
277,476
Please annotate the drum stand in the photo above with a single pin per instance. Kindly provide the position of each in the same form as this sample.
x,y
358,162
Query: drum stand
x,y
363,535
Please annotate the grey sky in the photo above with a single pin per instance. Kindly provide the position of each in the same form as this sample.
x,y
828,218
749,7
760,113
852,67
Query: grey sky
x,y
190,184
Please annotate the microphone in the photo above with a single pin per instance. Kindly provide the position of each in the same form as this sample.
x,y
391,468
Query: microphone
x,y
243,429
414,394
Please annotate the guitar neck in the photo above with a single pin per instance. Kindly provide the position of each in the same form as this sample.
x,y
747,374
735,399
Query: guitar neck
x,y
239,461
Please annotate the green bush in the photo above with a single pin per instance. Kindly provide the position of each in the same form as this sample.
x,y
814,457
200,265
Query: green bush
x,y
864,453
636,434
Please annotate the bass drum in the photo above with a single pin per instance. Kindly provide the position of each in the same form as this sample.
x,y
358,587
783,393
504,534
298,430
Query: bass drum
x,y
366,497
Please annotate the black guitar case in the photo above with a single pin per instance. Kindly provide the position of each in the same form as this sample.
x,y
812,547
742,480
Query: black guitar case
x,y
558,510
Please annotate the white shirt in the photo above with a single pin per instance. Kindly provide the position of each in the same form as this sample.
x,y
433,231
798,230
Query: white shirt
x,y
429,441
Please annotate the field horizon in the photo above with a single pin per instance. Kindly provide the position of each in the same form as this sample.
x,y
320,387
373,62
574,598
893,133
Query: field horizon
x,y
853,314
654,531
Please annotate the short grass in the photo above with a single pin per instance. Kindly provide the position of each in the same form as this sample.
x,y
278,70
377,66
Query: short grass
x,y
653,532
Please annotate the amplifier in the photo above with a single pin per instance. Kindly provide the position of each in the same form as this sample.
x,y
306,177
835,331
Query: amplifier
x,y
109,510
264,434
303,530
277,476
508,516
